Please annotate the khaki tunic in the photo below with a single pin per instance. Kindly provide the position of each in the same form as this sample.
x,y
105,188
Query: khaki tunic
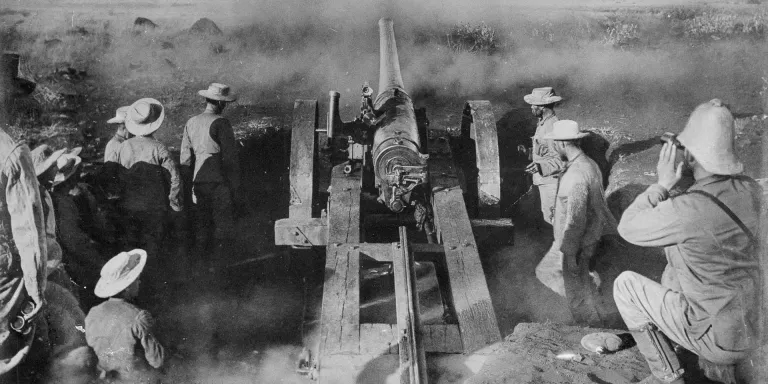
x,y
581,219
23,251
710,285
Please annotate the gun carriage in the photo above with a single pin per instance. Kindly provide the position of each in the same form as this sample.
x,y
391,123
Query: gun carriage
x,y
398,196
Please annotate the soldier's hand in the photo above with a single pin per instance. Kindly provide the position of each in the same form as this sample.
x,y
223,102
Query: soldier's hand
x,y
522,149
533,168
668,173
39,304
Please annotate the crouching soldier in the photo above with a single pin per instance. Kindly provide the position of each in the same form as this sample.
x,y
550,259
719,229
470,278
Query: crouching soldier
x,y
707,299
119,332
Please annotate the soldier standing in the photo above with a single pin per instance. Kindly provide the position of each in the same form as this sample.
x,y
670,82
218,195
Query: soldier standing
x,y
210,149
580,222
546,164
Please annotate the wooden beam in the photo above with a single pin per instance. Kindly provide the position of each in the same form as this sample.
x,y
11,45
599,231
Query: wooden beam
x,y
303,143
305,232
483,132
340,320
344,207
471,299
469,291
381,339
413,365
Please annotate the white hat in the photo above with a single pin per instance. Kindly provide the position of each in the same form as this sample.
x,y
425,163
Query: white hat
x,y
542,96
708,135
565,130
120,115
217,91
69,164
120,272
144,117
44,157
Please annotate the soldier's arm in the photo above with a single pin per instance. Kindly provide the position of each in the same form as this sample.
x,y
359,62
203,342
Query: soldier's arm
x,y
142,330
26,214
574,221
174,196
549,161
229,152
185,158
652,220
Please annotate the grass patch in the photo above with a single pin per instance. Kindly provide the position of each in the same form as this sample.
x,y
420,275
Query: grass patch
x,y
473,38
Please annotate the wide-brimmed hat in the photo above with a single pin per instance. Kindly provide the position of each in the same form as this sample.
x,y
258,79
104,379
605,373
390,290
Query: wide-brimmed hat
x,y
565,130
144,117
120,115
120,272
69,164
218,91
10,63
44,157
542,96
709,136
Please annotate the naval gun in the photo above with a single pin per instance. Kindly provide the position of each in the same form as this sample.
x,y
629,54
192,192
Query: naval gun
x,y
400,193
386,132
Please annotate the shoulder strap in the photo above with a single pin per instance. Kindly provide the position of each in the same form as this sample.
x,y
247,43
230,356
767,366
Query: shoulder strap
x,y
730,213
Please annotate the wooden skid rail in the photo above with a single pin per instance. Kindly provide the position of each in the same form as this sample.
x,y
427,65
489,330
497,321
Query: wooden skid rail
x,y
303,143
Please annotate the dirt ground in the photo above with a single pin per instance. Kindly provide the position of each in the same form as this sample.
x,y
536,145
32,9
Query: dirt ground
x,y
629,84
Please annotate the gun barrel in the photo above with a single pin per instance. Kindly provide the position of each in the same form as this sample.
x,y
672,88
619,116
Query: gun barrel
x,y
389,63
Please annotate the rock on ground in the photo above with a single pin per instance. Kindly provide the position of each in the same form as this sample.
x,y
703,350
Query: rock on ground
x,y
205,26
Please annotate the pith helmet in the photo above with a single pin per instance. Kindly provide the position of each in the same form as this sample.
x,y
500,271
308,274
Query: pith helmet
x,y
708,135
542,96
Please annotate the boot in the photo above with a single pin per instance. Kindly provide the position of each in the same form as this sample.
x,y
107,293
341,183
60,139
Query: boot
x,y
661,358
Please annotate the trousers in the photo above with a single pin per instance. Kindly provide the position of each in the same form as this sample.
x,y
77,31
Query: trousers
x,y
641,301
547,194
214,215
571,280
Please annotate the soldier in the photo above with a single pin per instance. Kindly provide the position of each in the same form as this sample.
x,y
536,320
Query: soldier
x,y
45,160
151,180
546,164
707,299
23,250
581,220
112,150
209,147
119,332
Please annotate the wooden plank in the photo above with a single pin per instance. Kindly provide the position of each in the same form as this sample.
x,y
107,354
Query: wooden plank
x,y
471,299
344,207
302,232
383,252
340,317
303,144
413,365
378,339
483,132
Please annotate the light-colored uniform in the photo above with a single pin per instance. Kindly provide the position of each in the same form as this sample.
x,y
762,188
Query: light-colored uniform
x,y
581,219
550,163
707,299
23,251
112,150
